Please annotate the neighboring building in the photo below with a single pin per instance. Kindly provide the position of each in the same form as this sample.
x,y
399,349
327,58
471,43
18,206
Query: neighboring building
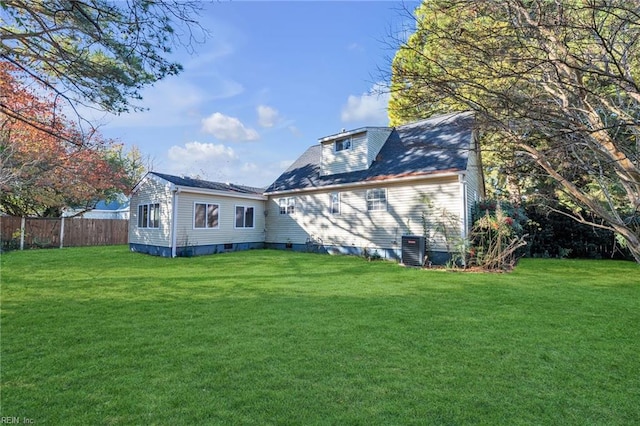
x,y
176,216
118,208
354,191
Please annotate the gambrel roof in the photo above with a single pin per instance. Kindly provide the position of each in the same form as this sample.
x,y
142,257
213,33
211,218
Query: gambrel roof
x,y
205,184
439,144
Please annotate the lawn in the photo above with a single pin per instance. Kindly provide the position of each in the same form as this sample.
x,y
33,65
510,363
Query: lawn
x,y
105,336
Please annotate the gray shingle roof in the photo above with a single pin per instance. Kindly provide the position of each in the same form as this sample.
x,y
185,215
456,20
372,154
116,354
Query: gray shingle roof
x,y
205,184
437,144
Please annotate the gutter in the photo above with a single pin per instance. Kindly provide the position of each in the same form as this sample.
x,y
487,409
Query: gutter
x,y
229,194
174,221
465,205
368,183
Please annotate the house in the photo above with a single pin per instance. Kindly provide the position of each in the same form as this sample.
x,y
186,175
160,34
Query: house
x,y
179,216
117,208
366,188
354,192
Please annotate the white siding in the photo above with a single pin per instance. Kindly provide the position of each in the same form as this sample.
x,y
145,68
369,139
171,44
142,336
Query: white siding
x,y
365,147
474,180
105,214
355,226
151,190
226,232
348,160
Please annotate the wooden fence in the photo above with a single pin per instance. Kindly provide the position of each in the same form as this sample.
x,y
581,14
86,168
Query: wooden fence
x,y
22,233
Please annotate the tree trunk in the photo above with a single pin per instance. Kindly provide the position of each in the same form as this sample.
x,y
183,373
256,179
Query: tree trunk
x,y
633,241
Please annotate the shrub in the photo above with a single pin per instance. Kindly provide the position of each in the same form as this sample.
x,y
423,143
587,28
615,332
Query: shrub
x,y
496,235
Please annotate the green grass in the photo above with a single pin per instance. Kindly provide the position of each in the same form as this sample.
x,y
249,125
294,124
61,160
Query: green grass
x,y
105,336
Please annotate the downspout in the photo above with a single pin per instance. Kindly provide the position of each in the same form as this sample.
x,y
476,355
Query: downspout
x,y
465,214
465,205
174,223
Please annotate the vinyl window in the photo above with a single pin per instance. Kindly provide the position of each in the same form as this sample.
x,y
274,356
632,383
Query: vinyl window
x,y
342,145
245,217
287,205
149,215
334,203
376,199
206,215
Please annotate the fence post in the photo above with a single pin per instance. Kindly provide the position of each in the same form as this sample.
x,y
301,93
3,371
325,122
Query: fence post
x,y
62,232
23,223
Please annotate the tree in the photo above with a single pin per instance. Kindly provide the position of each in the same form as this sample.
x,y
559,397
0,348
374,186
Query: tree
x,y
98,53
44,169
555,88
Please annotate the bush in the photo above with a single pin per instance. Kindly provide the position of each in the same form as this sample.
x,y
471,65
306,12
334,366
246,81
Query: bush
x,y
496,236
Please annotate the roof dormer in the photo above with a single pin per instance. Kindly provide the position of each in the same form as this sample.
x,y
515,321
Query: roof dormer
x,y
350,151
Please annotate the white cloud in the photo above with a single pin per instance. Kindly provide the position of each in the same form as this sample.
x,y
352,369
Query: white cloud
x,y
267,116
370,106
206,160
228,128
197,151
220,163
168,103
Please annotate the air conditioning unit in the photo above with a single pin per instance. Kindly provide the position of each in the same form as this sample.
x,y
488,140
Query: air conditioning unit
x,y
413,250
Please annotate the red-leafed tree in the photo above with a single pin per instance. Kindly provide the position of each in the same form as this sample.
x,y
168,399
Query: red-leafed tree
x,y
51,165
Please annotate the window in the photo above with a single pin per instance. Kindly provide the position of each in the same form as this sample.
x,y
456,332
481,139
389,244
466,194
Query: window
x,y
244,217
342,144
376,199
143,215
154,215
287,205
334,207
206,215
149,215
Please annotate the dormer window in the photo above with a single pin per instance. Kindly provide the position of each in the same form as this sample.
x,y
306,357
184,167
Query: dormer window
x,y
342,144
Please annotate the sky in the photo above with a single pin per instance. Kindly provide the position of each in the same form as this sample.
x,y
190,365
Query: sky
x,y
270,80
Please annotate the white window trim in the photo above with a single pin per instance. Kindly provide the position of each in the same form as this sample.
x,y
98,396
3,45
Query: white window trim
x,y
139,216
386,199
331,203
148,223
206,218
348,148
156,217
288,202
244,215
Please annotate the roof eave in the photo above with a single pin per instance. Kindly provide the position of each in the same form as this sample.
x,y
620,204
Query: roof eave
x,y
151,175
230,194
347,133
407,177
